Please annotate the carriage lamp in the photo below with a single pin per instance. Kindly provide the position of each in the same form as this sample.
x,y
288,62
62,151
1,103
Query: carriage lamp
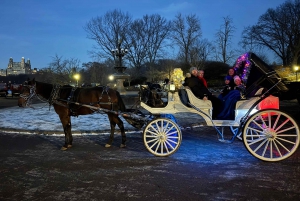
x,y
76,77
172,88
296,69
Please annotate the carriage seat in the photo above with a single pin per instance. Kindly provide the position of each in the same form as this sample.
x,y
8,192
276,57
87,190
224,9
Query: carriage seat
x,y
267,103
199,103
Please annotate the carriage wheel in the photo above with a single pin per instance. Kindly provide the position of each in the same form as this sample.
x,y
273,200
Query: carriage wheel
x,y
271,135
162,137
234,130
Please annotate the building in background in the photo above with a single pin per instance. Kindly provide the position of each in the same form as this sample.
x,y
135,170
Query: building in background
x,y
17,68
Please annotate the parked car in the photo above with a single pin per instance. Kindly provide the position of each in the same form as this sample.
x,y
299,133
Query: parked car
x,y
14,90
3,89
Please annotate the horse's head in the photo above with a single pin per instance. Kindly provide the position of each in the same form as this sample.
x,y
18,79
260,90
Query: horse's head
x,y
27,93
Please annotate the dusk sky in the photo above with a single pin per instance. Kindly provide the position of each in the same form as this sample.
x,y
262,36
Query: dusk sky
x,y
40,29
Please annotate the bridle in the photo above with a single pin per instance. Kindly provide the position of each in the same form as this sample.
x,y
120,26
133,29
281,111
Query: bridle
x,y
28,97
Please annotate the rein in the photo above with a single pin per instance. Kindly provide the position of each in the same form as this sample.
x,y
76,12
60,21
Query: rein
x,y
54,97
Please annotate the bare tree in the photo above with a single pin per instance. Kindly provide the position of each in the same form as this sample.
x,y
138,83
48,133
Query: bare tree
x,y
108,31
63,69
279,31
186,33
146,39
200,52
96,72
224,35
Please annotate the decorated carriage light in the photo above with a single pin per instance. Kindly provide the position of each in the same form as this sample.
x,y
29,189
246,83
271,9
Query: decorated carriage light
x,y
172,88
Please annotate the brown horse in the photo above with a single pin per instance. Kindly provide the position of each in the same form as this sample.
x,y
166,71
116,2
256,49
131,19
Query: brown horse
x,y
71,101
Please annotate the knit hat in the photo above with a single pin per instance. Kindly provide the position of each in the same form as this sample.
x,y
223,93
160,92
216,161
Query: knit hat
x,y
236,77
228,77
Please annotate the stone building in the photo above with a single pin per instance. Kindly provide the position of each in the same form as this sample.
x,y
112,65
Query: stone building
x,y
17,68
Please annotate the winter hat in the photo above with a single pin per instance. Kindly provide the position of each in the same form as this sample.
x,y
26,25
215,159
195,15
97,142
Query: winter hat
x,y
228,77
236,78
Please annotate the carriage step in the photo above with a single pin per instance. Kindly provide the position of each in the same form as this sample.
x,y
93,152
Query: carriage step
x,y
225,141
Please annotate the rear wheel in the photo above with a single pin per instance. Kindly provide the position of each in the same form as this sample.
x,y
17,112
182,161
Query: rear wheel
x,y
162,137
271,135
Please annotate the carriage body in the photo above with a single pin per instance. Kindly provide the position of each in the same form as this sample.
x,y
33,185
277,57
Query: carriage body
x,y
268,133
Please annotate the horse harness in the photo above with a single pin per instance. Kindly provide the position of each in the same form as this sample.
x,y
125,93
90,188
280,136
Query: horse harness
x,y
71,101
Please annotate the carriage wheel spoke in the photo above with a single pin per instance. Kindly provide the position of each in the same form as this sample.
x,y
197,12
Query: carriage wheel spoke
x,y
260,145
162,137
274,134
283,145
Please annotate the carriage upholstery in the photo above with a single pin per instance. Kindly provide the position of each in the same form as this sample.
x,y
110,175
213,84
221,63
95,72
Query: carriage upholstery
x,y
199,103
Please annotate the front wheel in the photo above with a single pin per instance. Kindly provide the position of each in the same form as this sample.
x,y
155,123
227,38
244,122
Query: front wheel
x,y
162,137
271,135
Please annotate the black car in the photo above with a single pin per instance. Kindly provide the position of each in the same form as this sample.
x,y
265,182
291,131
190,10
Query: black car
x,y
3,89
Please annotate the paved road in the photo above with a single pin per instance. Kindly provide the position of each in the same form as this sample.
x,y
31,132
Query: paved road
x,y
32,167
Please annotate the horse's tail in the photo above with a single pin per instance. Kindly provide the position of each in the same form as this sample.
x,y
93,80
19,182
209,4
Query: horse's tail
x,y
121,104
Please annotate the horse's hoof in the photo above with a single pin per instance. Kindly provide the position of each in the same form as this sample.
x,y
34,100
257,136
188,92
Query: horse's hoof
x,y
63,148
107,145
122,146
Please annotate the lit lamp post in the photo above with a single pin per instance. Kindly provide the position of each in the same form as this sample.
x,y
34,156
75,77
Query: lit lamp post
x,y
296,68
120,76
119,53
76,77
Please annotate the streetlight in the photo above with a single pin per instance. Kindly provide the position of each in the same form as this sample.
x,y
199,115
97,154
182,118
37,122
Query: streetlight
x,y
76,77
111,77
119,53
296,68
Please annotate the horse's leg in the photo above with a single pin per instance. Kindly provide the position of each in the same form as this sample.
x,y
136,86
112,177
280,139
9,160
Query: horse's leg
x,y
112,130
66,123
114,119
121,126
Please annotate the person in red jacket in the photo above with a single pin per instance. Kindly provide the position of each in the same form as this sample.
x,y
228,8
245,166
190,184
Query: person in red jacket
x,y
201,77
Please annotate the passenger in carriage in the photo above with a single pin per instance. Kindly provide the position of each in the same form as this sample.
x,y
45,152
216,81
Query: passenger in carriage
x,y
229,83
230,75
229,100
202,92
187,75
201,77
227,88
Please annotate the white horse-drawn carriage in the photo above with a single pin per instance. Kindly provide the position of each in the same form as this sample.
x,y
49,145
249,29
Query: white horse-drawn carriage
x,y
267,133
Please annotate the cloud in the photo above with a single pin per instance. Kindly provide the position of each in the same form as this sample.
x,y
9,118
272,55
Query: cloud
x,y
175,8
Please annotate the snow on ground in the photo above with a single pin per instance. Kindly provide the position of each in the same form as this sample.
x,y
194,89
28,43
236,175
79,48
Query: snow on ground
x,y
40,118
